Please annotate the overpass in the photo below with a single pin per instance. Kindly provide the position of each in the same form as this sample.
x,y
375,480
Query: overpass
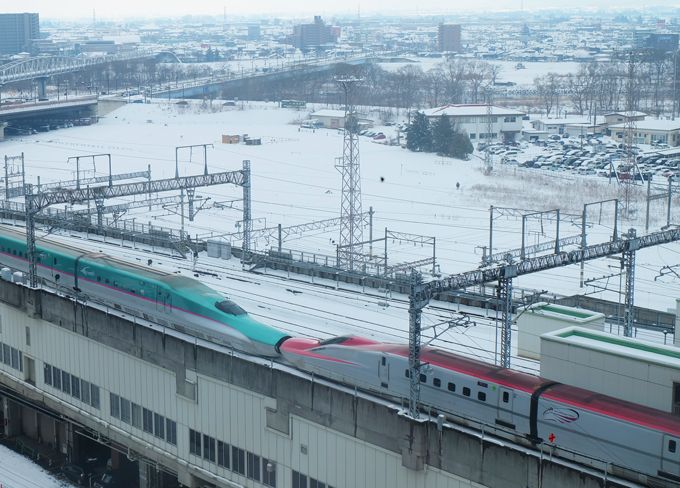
x,y
37,113
87,378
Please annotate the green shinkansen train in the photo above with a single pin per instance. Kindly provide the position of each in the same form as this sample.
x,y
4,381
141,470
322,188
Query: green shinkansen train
x,y
173,301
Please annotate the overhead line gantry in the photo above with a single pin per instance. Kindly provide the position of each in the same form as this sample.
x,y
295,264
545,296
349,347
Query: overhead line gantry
x,y
421,293
35,202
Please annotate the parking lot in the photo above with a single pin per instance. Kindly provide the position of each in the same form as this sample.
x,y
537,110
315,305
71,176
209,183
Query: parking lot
x,y
594,156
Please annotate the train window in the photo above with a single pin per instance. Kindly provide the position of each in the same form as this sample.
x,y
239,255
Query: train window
x,y
481,396
55,260
14,251
672,446
482,384
106,280
99,278
452,387
466,391
383,360
437,382
423,378
407,373
227,306
506,397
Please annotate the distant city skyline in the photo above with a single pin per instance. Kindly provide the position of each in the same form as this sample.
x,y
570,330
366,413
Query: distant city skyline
x,y
84,9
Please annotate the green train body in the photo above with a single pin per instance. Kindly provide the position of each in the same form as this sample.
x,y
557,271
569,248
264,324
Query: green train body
x,y
170,300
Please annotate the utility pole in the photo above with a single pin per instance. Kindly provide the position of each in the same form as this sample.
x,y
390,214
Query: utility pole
x,y
629,134
488,157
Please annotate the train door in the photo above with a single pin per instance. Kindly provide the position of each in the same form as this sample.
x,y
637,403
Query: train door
x,y
164,302
505,406
670,458
384,372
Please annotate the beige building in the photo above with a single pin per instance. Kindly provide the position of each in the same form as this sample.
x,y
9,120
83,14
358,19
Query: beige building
x,y
650,131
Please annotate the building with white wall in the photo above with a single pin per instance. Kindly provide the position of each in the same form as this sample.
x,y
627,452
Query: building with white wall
x,y
506,123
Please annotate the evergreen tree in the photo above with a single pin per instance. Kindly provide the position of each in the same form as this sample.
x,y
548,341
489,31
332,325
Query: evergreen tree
x,y
460,146
442,136
419,134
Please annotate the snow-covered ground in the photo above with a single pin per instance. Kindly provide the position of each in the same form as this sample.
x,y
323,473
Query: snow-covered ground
x,y
508,73
295,181
18,472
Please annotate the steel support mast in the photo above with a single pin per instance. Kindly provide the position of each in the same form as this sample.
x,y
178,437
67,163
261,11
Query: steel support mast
x,y
351,230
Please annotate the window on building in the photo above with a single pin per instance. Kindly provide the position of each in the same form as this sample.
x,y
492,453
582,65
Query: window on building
x,y
7,355
48,374
114,403
15,359
316,483
676,398
147,421
125,414
85,391
136,415
223,454
171,431
75,386
268,473
208,448
238,460
65,382
28,336
194,441
94,395
253,463
159,426
299,480
56,378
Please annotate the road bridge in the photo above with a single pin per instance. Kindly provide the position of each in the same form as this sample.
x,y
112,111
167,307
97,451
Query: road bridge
x,y
202,87
40,113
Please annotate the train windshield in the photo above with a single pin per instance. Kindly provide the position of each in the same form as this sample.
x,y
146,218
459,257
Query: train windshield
x,y
334,340
227,306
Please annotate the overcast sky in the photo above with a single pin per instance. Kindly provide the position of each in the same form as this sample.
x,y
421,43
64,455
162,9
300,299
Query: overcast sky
x,y
104,9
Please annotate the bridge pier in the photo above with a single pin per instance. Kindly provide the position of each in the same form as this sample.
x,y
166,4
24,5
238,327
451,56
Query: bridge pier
x,y
42,87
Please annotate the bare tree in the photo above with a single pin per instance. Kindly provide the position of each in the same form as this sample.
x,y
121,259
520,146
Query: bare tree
x,y
548,89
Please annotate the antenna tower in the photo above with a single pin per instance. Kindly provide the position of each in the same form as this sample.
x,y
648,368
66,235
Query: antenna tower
x,y
488,157
351,231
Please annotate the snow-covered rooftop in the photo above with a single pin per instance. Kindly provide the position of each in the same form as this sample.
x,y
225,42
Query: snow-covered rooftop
x,y
573,121
652,124
665,355
453,110
329,113
630,113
